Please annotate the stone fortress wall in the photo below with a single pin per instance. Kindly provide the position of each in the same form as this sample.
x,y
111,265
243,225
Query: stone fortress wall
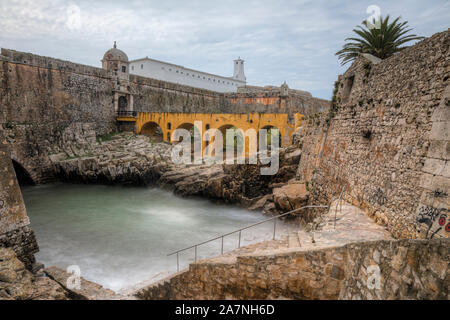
x,y
15,231
47,104
45,100
386,140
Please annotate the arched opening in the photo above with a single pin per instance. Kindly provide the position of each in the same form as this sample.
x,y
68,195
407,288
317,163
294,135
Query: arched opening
x,y
23,177
233,141
195,136
123,104
268,137
152,130
195,133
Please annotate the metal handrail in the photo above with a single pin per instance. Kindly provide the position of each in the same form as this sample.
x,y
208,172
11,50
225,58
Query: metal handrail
x,y
240,231
125,113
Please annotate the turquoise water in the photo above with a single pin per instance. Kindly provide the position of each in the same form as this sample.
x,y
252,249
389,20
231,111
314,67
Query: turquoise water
x,y
120,236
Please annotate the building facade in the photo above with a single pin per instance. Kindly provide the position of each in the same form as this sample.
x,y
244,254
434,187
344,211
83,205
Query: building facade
x,y
169,72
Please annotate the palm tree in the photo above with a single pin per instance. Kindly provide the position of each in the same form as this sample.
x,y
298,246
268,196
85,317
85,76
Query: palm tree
x,y
379,38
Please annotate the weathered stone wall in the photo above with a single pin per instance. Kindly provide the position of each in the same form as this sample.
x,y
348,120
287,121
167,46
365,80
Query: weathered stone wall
x,y
401,269
309,138
14,223
43,99
273,102
152,95
387,141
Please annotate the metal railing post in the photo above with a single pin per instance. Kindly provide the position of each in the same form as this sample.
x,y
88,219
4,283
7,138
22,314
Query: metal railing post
x,y
178,263
195,253
240,231
222,244
274,227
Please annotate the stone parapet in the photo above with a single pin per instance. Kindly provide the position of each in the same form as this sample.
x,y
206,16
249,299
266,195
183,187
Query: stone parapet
x,y
386,269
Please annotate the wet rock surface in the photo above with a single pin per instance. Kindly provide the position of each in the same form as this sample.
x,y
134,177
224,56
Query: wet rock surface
x,y
17,283
133,159
82,289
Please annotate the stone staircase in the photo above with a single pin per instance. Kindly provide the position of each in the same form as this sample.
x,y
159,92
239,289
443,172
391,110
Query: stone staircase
x,y
352,225
299,264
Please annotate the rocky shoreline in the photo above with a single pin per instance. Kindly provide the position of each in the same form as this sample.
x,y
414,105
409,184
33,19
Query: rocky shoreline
x,y
130,159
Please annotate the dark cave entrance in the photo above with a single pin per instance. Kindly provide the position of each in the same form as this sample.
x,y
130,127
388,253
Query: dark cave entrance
x,y
23,177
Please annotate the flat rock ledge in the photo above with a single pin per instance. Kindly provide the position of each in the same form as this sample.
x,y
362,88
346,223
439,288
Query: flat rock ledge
x,y
18,283
87,290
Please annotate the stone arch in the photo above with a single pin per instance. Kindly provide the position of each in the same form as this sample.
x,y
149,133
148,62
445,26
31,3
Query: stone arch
x,y
153,130
23,176
191,128
123,104
238,142
269,137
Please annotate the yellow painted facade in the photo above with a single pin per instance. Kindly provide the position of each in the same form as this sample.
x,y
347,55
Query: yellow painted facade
x,y
147,123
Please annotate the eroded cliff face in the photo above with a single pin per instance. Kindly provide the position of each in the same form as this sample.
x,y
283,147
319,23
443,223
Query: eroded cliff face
x,y
385,141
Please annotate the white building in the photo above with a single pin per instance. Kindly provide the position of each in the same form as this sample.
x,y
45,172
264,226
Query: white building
x,y
169,72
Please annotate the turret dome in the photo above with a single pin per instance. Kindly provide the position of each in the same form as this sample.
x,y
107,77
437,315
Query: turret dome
x,y
115,54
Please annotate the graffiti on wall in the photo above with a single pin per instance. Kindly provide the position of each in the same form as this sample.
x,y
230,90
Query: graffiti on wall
x,y
377,197
433,221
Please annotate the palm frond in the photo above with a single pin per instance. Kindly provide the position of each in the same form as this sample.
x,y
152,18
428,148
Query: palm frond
x,y
382,41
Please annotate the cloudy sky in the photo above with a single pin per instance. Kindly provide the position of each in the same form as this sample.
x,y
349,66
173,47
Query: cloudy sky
x,y
292,40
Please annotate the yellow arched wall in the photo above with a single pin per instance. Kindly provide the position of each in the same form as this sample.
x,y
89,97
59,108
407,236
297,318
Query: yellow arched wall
x,y
255,121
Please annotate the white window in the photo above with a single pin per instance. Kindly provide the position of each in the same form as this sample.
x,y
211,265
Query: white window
x,y
132,67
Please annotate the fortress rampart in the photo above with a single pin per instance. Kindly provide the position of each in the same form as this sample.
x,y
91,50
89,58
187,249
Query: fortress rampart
x,y
386,141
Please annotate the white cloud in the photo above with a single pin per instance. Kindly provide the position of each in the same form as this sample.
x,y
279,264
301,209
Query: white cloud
x,y
280,40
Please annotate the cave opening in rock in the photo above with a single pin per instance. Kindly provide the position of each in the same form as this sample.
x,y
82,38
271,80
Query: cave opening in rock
x,y
23,177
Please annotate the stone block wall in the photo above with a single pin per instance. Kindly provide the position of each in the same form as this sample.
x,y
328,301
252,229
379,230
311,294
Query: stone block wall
x,y
43,99
15,231
399,269
273,102
385,140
